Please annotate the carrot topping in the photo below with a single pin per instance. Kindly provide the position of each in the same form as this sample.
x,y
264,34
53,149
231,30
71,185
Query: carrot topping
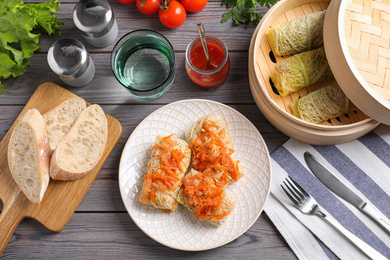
x,y
167,138
168,177
152,194
146,189
204,196
160,147
210,152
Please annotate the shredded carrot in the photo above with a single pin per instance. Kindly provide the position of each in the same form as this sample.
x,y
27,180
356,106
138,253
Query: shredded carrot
x,y
168,177
160,147
168,137
178,156
146,189
152,194
219,217
205,197
211,152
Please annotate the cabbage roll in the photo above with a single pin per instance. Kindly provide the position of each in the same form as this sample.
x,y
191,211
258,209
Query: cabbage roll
x,y
301,70
322,104
200,195
169,162
212,150
298,35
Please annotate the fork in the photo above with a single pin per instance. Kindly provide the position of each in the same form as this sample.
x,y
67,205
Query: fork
x,y
308,205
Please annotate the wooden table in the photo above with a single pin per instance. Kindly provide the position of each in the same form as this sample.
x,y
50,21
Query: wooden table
x,y
101,226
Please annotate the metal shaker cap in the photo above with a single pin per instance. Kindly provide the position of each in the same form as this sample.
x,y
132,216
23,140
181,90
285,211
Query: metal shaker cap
x,y
68,58
93,17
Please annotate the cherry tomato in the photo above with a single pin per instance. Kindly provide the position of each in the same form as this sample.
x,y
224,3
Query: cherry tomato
x,y
194,5
126,2
173,16
148,7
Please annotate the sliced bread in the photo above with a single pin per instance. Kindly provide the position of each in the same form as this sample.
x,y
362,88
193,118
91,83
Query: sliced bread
x,y
82,146
60,119
28,155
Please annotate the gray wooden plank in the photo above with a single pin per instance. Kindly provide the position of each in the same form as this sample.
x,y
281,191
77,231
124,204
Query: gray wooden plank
x,y
129,19
115,236
104,89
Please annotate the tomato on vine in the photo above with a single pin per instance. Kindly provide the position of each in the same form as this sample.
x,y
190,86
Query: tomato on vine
x,y
126,2
172,14
194,5
148,7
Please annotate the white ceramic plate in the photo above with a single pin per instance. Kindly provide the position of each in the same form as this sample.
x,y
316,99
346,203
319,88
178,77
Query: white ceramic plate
x,y
179,229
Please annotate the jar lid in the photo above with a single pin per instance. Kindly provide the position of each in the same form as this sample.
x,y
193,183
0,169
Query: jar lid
x,y
93,16
67,57
357,45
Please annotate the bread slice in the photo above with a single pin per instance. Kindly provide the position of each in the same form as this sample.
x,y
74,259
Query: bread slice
x,y
82,147
28,155
60,119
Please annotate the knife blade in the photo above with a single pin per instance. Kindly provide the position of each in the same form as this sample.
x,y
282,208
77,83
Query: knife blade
x,y
336,185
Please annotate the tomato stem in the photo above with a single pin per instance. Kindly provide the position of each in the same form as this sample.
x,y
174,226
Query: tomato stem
x,y
164,5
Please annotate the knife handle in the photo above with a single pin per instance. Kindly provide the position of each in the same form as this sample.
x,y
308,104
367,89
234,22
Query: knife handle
x,y
377,216
363,246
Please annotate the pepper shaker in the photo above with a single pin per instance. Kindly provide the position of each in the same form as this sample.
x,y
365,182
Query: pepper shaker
x,y
96,21
69,59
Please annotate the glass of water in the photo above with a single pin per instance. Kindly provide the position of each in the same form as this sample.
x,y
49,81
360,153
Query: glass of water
x,y
143,61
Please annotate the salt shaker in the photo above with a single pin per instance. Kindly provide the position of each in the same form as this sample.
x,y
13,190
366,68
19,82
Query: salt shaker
x,y
69,59
96,21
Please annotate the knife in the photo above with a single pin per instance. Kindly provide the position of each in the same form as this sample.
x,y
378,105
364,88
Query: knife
x,y
337,186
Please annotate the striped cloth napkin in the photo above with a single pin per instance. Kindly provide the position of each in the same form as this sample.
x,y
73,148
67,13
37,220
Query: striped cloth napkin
x,y
364,165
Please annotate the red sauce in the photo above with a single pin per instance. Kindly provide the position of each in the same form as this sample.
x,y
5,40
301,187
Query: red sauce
x,y
206,78
198,58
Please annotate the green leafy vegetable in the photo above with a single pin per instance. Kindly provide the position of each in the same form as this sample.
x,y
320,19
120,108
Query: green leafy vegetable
x,y
20,27
301,70
244,11
298,35
322,104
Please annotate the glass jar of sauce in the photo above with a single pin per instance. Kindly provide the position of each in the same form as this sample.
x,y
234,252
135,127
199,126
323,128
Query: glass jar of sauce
x,y
201,73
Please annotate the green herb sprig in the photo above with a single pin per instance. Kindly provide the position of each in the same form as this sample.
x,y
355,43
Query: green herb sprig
x,y
244,11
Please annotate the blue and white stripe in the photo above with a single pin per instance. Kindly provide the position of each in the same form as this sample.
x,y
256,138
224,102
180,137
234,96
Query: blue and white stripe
x,y
363,164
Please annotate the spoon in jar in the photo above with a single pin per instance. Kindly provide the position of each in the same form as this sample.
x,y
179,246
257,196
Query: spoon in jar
x,y
205,49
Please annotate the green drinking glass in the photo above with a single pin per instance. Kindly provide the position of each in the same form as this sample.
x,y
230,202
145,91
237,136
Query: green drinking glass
x,y
143,61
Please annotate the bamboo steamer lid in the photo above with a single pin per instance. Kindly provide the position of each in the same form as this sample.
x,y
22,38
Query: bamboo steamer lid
x,y
357,45
277,108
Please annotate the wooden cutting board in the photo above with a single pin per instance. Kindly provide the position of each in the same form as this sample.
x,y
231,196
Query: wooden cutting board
x,y
62,197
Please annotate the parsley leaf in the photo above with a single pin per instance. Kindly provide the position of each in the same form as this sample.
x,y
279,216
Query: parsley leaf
x,y
244,11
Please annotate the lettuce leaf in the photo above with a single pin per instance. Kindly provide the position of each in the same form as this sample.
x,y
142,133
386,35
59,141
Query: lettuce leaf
x,y
20,28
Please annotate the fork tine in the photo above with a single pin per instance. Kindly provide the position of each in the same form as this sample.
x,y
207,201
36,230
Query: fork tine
x,y
293,191
291,197
298,188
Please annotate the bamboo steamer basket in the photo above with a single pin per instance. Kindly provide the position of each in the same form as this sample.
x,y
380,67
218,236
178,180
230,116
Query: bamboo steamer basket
x,y
357,45
277,108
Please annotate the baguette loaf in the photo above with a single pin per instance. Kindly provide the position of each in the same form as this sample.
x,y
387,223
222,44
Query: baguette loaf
x,y
59,120
28,155
82,147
